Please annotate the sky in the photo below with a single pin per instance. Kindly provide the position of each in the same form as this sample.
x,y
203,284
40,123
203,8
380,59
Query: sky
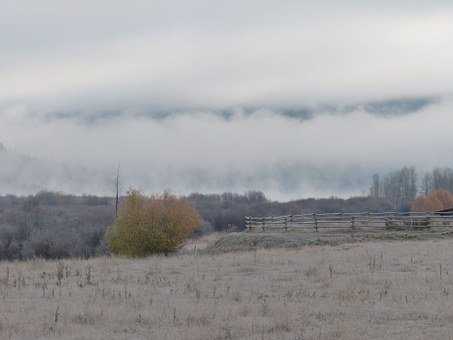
x,y
213,96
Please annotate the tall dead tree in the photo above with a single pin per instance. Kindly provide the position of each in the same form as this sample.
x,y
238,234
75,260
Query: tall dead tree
x,y
375,190
117,186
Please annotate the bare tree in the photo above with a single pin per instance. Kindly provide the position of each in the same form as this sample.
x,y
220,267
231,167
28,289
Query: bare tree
x,y
398,187
117,186
375,190
427,185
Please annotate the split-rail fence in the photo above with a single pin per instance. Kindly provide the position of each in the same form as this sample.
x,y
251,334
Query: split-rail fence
x,y
351,222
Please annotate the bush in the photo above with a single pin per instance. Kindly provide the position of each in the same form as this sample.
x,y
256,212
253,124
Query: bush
x,y
158,224
437,200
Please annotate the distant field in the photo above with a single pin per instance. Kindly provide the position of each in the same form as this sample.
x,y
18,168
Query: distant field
x,y
372,290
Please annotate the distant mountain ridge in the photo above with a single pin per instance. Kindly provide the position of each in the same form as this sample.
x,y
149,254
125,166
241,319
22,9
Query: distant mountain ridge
x,y
387,108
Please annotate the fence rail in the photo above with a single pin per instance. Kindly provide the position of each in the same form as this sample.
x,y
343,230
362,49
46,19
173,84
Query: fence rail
x,y
351,222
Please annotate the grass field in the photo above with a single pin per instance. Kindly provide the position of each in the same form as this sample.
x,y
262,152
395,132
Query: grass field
x,y
370,290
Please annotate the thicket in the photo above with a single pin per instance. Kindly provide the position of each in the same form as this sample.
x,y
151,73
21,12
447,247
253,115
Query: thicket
x,y
52,225
150,225
435,201
402,187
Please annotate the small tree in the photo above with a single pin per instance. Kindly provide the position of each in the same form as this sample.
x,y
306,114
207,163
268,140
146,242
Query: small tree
x,y
437,200
150,225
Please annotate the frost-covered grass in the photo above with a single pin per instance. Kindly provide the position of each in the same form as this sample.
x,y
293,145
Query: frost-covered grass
x,y
372,290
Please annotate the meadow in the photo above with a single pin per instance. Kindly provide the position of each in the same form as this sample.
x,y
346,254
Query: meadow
x,y
369,290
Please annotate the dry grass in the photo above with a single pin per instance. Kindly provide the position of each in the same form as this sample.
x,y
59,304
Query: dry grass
x,y
374,290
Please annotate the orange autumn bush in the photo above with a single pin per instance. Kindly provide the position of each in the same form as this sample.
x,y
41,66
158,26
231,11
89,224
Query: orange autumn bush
x,y
151,225
437,200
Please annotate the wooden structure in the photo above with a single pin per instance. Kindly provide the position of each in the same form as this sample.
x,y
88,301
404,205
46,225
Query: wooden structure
x,y
351,222
448,211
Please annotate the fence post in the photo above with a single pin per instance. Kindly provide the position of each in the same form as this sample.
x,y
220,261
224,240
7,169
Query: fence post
x,y
264,224
388,221
286,223
352,223
315,221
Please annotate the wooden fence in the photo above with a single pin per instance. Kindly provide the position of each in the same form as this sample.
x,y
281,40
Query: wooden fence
x,y
351,222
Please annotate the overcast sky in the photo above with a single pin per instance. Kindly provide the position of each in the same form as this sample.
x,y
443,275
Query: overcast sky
x,y
81,83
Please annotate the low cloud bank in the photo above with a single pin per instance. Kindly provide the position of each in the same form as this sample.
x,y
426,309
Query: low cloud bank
x,y
329,154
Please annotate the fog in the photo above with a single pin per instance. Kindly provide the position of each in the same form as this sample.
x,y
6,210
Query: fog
x,y
329,154
147,85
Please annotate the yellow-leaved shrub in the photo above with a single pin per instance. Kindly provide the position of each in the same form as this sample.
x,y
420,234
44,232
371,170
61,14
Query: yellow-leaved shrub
x,y
151,225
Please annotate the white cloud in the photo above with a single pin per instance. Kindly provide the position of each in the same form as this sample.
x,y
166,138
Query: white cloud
x,y
89,58
257,53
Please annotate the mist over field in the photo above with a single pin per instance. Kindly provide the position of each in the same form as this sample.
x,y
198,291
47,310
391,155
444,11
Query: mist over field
x,y
292,98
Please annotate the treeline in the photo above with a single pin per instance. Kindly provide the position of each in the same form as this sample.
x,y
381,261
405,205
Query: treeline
x,y
226,211
400,188
53,225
